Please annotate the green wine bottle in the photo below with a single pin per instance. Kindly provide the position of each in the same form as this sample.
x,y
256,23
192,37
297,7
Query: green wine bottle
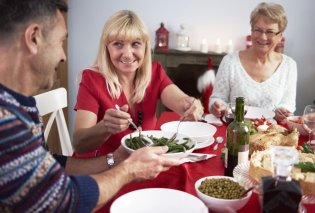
x,y
237,140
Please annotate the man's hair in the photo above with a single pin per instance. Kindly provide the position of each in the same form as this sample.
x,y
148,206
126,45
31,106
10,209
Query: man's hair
x,y
16,13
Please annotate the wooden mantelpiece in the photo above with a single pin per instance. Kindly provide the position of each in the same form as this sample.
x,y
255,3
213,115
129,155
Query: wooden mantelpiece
x,y
174,58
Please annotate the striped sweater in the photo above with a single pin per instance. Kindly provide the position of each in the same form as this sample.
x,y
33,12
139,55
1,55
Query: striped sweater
x,y
31,180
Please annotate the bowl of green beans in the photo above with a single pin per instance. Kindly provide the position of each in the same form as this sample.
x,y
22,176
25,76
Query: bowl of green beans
x,y
181,147
221,193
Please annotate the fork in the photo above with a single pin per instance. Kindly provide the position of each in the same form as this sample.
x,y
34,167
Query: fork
x,y
182,119
176,133
147,140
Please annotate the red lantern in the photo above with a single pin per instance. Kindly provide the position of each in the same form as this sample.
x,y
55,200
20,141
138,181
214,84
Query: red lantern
x,y
248,41
161,38
280,46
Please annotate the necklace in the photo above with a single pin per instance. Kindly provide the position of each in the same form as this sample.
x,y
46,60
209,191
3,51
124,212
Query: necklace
x,y
139,123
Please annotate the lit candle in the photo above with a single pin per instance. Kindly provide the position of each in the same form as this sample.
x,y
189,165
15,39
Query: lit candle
x,y
204,46
230,47
218,46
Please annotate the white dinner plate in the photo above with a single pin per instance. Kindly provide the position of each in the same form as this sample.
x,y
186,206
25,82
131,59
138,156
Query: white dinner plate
x,y
201,145
157,200
256,112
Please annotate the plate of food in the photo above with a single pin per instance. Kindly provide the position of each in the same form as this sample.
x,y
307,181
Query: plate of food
x,y
257,112
181,147
221,193
273,135
249,174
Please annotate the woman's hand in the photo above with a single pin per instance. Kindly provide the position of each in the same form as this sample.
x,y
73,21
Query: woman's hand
x,y
282,114
116,121
193,109
218,109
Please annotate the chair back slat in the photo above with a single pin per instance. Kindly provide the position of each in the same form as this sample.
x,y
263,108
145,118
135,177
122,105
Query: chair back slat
x,y
52,102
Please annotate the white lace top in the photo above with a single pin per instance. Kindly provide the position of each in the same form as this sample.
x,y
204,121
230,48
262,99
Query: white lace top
x,y
279,90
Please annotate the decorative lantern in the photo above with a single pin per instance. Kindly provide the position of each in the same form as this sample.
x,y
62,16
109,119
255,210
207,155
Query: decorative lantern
x,y
248,41
161,38
280,46
182,39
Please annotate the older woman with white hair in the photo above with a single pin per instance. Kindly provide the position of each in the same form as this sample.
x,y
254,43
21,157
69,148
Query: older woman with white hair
x,y
266,78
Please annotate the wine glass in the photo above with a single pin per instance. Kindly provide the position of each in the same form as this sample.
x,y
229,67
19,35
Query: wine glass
x,y
232,105
230,112
309,119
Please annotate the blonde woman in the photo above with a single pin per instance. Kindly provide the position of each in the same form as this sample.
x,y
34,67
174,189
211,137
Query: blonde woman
x,y
266,78
124,75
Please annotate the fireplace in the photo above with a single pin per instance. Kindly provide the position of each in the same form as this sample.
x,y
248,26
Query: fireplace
x,y
185,67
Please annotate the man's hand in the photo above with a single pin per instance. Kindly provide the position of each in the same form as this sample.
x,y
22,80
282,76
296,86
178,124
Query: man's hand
x,y
148,162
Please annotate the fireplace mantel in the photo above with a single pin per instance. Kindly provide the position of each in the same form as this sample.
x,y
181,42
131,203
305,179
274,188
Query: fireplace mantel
x,y
174,58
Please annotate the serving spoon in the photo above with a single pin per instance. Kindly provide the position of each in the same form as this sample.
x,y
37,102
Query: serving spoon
x,y
247,190
217,140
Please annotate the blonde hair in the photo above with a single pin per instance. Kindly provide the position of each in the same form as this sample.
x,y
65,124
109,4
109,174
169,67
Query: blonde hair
x,y
124,25
273,12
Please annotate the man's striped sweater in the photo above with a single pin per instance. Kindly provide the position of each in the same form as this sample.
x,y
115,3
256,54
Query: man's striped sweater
x,y
31,180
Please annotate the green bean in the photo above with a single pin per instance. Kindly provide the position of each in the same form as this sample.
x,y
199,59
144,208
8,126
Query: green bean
x,y
174,147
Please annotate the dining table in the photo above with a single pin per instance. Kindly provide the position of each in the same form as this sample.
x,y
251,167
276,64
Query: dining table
x,y
184,176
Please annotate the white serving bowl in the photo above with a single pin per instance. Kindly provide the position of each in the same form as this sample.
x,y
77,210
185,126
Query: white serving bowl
x,y
158,200
296,122
198,131
159,134
221,205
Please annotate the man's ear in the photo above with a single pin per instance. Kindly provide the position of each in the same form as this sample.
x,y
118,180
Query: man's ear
x,y
32,36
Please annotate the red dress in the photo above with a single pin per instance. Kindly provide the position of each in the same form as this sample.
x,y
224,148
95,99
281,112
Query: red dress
x,y
93,96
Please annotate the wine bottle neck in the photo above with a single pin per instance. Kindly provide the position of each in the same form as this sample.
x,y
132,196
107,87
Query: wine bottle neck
x,y
239,109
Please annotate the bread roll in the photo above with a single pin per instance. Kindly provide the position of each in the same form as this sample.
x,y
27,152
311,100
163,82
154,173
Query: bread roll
x,y
261,165
275,135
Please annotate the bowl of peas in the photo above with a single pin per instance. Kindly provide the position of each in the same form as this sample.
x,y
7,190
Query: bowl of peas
x,y
179,148
222,193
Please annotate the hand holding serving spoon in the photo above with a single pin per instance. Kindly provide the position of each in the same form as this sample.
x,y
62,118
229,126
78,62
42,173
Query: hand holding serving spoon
x,y
147,139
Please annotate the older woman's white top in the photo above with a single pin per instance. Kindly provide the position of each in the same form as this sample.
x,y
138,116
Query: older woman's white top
x,y
279,90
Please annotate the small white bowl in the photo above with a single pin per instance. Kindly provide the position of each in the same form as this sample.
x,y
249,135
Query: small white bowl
x,y
221,205
159,134
198,131
296,122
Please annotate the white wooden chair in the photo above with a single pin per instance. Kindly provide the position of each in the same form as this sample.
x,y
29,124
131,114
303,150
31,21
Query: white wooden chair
x,y
53,102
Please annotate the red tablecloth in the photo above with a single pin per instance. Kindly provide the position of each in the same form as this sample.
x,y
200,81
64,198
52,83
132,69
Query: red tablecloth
x,y
183,177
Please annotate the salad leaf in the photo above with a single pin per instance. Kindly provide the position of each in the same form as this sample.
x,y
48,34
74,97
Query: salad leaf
x,y
307,148
251,127
306,166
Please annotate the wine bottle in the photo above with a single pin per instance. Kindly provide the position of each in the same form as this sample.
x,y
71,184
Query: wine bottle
x,y
237,139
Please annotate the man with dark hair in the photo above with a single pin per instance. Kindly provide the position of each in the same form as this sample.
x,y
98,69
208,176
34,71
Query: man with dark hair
x,y
31,179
